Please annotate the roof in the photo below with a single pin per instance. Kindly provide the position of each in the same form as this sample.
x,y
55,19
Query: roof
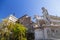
x,y
23,16
54,17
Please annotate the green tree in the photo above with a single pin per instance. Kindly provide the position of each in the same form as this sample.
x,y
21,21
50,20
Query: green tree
x,y
12,31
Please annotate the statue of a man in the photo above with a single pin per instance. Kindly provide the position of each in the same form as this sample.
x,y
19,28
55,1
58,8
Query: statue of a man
x,y
45,14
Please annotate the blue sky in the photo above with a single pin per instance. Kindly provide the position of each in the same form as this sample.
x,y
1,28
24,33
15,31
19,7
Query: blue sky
x,y
30,7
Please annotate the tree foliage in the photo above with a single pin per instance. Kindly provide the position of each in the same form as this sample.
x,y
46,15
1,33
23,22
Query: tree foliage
x,y
12,31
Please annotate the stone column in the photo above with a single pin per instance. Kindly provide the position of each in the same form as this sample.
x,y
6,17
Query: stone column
x,y
38,34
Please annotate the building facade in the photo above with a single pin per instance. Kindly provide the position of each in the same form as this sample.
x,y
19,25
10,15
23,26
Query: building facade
x,y
47,26
27,22
11,18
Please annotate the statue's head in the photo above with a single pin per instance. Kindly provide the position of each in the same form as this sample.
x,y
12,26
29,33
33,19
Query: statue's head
x,y
43,9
